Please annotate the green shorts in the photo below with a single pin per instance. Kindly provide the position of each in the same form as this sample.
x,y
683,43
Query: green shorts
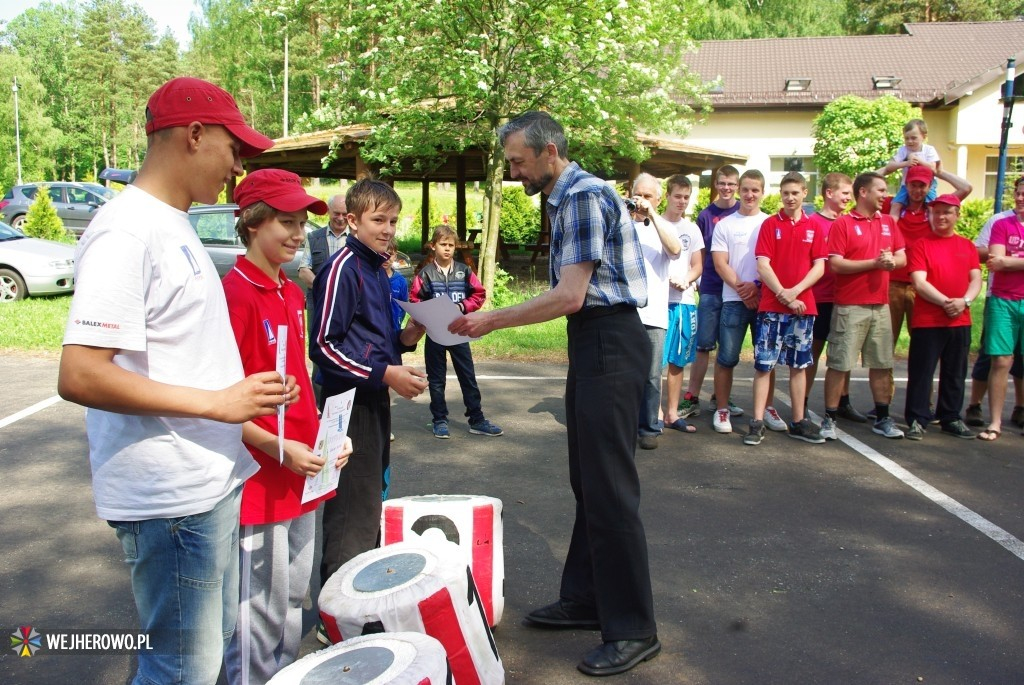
x,y
1004,322
863,331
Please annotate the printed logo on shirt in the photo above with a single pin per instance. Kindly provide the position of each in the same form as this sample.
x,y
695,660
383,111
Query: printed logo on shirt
x,y
459,275
97,324
809,235
269,330
778,233
300,315
191,260
685,240
885,231
857,230
1013,240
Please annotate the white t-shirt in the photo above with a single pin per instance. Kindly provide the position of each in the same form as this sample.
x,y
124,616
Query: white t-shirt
x,y
927,153
737,235
656,263
145,286
692,241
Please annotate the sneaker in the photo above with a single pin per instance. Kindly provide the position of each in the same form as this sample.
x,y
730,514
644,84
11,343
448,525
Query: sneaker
x,y
321,634
773,420
441,430
973,415
485,427
689,406
828,429
916,431
755,433
721,422
733,409
887,427
872,415
648,442
806,431
959,430
1017,417
850,413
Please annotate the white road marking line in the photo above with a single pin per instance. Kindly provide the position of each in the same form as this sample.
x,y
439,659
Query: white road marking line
x,y
38,406
972,518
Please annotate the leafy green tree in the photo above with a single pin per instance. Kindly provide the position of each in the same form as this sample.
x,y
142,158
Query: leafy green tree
x,y
436,77
520,218
854,135
889,17
37,132
736,19
42,220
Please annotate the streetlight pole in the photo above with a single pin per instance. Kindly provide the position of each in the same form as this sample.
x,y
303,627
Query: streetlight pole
x,y
285,18
1004,137
17,127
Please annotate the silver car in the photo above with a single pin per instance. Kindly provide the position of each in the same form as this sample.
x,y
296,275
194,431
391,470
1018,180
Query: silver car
x,y
215,225
76,203
29,266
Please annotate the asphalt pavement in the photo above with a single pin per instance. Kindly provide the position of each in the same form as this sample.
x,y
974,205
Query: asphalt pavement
x,y
864,561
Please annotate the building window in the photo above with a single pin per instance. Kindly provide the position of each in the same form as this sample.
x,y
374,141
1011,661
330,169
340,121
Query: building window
x,y
780,166
1014,170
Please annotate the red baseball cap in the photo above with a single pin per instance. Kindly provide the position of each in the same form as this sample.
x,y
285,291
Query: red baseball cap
x,y
280,189
947,199
920,173
183,100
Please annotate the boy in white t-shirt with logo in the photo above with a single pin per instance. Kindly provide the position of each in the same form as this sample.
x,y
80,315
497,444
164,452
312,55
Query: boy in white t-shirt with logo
x,y
149,349
681,337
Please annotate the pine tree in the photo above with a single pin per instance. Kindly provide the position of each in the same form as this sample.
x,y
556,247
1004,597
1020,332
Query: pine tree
x,y
42,220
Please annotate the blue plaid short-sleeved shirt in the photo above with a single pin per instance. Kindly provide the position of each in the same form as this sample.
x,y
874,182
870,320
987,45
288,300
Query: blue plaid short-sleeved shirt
x,y
589,223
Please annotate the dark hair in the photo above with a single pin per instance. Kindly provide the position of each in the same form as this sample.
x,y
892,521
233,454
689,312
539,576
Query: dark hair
x,y
753,174
727,170
833,180
865,180
368,194
251,217
1017,183
678,180
794,177
539,129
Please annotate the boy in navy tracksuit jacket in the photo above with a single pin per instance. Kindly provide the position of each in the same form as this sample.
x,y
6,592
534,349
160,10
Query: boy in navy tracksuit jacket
x,y
444,277
355,345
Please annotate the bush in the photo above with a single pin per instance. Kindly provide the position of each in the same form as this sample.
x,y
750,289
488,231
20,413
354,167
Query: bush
x,y
702,200
42,220
502,295
771,204
973,215
520,219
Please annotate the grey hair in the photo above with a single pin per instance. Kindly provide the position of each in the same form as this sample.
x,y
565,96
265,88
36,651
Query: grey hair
x,y
539,129
644,177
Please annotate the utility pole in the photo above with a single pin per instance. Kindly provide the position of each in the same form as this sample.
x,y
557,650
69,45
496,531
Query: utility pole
x,y
1005,135
17,127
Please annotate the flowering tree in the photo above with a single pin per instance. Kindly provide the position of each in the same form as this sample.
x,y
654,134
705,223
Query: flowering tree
x,y
854,135
440,76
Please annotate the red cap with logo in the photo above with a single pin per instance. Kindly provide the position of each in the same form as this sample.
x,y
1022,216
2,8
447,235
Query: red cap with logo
x,y
280,189
183,100
947,199
920,173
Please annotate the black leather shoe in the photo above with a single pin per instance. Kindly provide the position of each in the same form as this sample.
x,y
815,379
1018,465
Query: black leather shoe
x,y
850,413
564,614
619,656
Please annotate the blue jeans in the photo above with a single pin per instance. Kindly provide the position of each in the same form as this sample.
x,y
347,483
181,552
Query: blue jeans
x,y
437,371
709,311
185,581
736,318
651,402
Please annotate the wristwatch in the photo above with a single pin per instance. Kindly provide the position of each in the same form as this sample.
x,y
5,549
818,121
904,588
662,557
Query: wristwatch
x,y
967,302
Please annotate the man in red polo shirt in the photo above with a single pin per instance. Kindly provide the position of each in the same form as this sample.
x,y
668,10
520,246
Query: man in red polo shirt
x,y
947,276
864,248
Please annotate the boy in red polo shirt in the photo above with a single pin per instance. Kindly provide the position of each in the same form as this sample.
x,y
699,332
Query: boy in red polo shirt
x,y
864,248
276,541
947,276
790,256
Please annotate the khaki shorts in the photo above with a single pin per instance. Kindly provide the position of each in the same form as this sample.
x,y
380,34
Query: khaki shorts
x,y
860,330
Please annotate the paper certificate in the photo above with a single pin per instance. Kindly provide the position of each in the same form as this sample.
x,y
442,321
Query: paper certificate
x,y
282,363
330,441
436,314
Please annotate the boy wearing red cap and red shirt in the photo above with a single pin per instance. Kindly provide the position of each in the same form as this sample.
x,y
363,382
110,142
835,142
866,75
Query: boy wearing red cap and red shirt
x,y
148,348
947,276
277,530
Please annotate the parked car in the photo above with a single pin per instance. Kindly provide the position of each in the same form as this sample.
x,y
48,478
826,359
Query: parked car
x,y
29,266
215,225
76,203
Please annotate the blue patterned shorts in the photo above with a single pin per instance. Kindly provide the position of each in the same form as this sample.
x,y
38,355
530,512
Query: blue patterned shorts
x,y
783,339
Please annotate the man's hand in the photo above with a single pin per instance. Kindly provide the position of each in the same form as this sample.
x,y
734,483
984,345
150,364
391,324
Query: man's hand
x,y
954,307
885,261
257,395
405,380
997,263
746,290
412,332
299,459
346,452
473,325
797,307
786,296
679,285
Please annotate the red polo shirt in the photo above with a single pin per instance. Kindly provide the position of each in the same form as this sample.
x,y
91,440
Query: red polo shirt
x,y
824,289
257,306
947,263
858,237
791,247
913,226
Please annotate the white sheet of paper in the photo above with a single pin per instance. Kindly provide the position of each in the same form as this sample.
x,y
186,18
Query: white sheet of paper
x,y
436,314
281,366
330,440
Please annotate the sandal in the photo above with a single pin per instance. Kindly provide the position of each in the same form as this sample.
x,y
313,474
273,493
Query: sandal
x,y
988,435
682,426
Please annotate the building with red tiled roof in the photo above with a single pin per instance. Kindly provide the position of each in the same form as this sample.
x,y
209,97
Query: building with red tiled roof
x,y
769,91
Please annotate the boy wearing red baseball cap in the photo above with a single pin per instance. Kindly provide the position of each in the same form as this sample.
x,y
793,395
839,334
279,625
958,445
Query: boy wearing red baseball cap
x,y
277,530
148,348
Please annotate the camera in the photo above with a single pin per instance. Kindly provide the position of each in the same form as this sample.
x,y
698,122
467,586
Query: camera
x,y
631,204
